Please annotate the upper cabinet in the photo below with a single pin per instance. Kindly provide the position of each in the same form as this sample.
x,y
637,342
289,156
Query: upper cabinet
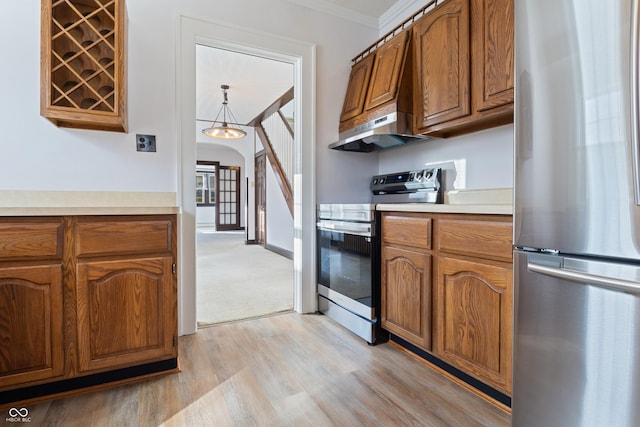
x,y
357,88
376,82
442,65
83,74
464,67
492,47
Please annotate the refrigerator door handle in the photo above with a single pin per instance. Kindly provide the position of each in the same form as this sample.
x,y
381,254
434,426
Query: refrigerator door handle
x,y
635,97
612,283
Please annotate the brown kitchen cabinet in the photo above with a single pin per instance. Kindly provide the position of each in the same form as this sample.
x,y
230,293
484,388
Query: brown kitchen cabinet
x,y
357,88
406,277
446,287
473,298
375,83
463,77
125,312
83,295
31,339
31,300
83,69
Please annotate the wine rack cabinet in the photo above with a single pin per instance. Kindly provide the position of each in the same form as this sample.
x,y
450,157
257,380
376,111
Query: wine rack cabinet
x,y
83,74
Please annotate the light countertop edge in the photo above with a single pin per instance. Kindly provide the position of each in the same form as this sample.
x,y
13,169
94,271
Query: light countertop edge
x,y
496,209
45,203
496,201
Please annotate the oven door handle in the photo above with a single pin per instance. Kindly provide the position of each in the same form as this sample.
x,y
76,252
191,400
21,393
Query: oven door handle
x,y
358,230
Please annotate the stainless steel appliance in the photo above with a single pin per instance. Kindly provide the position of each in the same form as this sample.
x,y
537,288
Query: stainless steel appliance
x,y
348,267
348,239
577,219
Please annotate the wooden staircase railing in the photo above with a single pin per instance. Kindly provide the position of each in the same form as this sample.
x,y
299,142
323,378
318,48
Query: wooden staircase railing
x,y
279,145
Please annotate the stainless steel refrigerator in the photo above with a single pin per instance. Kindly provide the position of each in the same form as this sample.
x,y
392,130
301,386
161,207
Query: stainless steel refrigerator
x,y
577,219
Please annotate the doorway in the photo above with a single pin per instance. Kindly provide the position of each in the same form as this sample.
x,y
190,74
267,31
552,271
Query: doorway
x,y
302,55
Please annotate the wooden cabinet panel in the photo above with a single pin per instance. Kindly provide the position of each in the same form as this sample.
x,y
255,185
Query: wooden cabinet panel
x,y
483,239
443,84
492,53
406,295
103,236
126,312
22,240
357,88
406,229
474,319
385,76
31,338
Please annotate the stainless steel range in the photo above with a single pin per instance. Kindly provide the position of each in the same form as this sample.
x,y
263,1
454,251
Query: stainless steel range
x,y
348,240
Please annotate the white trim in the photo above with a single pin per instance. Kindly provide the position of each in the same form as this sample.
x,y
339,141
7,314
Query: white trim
x,y
398,12
302,56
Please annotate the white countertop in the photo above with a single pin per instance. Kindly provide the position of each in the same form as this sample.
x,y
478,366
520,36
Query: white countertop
x,y
44,203
490,201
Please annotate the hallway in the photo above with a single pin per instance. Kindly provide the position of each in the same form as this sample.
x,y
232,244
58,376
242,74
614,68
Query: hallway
x,y
235,281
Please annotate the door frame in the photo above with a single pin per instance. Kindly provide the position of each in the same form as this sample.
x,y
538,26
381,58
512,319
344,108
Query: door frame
x,y
261,222
302,55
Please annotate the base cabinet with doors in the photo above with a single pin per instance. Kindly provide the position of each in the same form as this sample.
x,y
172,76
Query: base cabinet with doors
x,y
91,300
465,307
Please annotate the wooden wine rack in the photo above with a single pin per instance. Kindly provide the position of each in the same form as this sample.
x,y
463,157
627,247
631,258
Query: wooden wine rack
x,y
83,75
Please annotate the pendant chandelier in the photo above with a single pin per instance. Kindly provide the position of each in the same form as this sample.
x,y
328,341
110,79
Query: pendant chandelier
x,y
221,129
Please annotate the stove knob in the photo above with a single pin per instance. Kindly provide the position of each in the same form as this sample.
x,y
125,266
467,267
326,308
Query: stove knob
x,y
375,181
381,181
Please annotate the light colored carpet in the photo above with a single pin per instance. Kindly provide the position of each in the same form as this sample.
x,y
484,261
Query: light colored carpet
x,y
235,281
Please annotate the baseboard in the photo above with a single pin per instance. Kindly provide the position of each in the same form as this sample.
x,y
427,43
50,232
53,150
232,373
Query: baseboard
x,y
280,251
251,242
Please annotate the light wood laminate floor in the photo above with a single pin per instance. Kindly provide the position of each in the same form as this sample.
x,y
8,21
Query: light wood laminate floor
x,y
283,370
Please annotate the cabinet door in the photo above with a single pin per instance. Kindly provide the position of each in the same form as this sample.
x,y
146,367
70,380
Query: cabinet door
x,y
406,295
473,308
492,53
385,76
442,64
31,336
126,312
357,88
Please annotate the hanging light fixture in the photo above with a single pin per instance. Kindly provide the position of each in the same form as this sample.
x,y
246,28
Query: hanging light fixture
x,y
224,131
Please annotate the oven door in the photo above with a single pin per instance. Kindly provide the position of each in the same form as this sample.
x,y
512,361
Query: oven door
x,y
345,265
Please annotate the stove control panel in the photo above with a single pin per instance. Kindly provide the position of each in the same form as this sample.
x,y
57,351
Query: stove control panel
x,y
415,181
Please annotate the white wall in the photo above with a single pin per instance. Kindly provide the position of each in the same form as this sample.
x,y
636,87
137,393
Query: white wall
x,y
38,155
483,159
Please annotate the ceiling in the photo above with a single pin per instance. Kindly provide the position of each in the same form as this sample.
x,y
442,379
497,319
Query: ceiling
x,y
256,82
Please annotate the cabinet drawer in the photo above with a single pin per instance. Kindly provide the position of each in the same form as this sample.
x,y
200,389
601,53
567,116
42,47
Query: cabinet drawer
x,y
30,239
407,230
483,239
106,236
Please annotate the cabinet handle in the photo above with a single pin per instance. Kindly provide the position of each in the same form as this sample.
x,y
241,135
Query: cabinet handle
x,y
612,283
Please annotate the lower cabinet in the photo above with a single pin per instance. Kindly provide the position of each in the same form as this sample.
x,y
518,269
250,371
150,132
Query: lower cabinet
x,y
406,294
474,320
85,296
125,312
453,298
31,339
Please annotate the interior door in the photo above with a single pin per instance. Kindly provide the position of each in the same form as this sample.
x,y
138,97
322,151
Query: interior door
x,y
261,198
228,203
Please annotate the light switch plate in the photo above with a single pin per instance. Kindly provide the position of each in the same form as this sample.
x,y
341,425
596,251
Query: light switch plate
x,y
146,143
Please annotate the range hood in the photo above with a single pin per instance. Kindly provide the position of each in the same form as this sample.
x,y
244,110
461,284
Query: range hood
x,y
387,131
377,109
